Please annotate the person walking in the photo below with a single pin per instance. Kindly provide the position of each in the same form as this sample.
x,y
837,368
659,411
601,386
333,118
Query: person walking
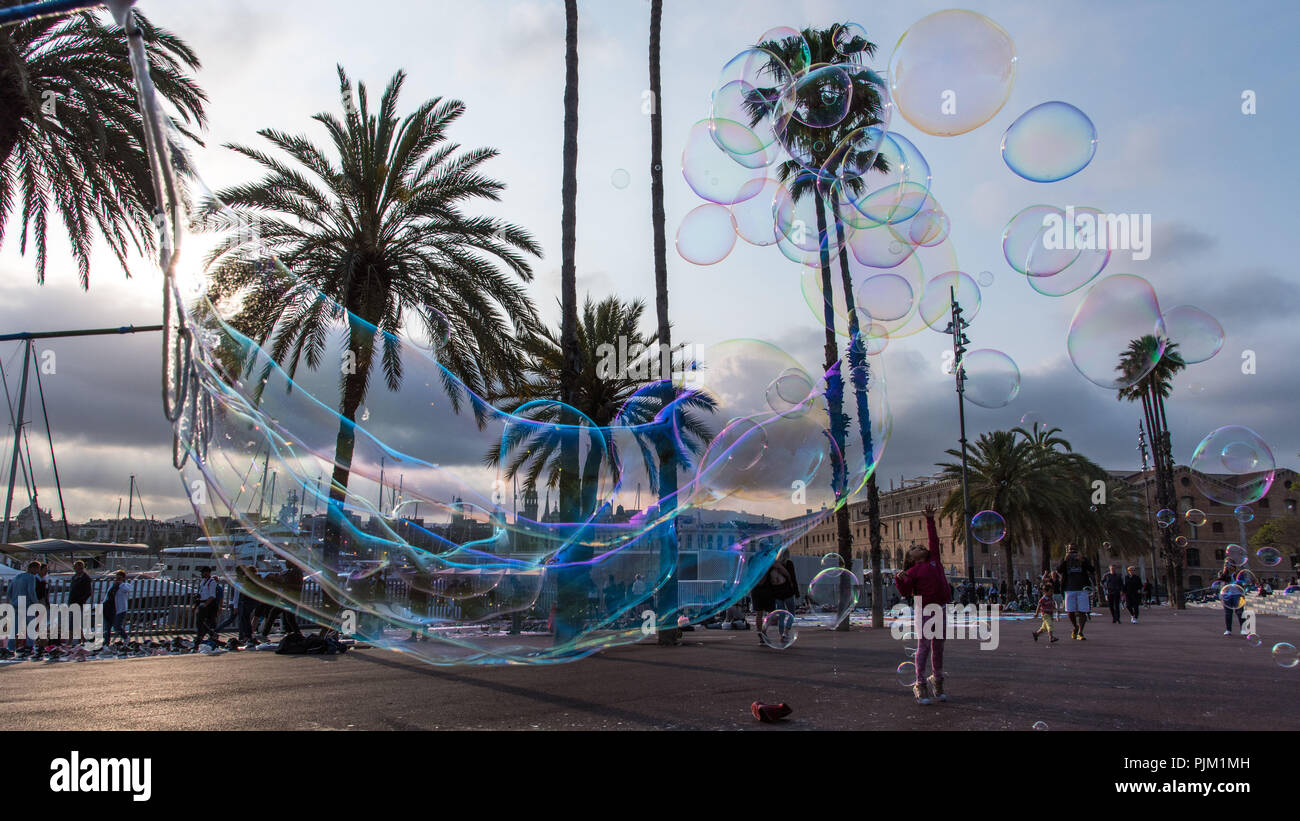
x,y
1112,584
1046,610
1133,593
247,604
1149,592
785,591
119,595
79,594
1233,602
1076,573
924,581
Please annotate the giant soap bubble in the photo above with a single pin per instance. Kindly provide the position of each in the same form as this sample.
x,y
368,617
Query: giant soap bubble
x,y
1116,336
1233,466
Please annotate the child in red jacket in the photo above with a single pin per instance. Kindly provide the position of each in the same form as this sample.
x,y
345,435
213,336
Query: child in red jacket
x,y
923,578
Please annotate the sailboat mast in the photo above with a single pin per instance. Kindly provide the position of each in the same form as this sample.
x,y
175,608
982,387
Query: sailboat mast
x,y
18,429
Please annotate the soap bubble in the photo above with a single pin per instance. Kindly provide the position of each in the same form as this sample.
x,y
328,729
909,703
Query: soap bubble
x,y
1254,640
1199,335
834,592
985,279
988,527
1235,555
752,218
885,297
850,38
779,630
1040,725
788,40
711,172
832,560
1195,517
952,71
1284,653
818,97
620,178
1233,466
906,673
992,379
1086,261
793,391
929,227
1049,142
1165,517
1243,513
1119,312
1231,595
1181,541
936,301
1269,556
706,235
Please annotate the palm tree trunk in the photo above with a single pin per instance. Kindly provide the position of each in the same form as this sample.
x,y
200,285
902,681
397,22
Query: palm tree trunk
x,y
13,98
859,375
834,393
570,595
666,454
353,394
1174,557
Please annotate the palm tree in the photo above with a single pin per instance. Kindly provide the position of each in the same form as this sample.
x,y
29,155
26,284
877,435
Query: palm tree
x,y
817,146
1120,523
665,449
71,133
377,230
1049,446
569,596
1010,474
606,396
1151,390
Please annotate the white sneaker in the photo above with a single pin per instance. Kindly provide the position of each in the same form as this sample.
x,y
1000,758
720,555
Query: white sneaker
x,y
1133,621
1227,632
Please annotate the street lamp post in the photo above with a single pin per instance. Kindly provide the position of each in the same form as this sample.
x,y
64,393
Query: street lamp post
x,y
956,326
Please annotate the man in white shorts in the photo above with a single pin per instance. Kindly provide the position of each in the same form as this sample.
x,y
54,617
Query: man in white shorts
x,y
1076,576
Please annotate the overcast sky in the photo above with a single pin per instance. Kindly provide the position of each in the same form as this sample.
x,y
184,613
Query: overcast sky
x,y
1162,82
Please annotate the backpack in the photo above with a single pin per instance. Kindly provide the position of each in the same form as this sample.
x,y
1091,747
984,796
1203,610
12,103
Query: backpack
x,y
293,644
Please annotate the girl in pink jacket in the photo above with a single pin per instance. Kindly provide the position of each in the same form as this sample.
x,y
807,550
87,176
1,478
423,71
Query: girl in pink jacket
x,y
923,578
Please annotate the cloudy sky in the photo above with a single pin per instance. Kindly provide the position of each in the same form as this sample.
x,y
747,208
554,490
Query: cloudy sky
x,y
1162,82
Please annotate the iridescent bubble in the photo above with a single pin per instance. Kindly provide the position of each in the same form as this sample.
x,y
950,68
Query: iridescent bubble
x,y
985,279
758,69
1165,517
906,673
1114,324
1269,556
752,218
832,560
1233,466
779,630
1195,517
936,301
818,97
1246,579
1235,555
1199,336
1180,541
988,527
1038,233
1087,255
880,246
1049,142
834,593
706,235
1040,725
952,71
1032,418
849,38
788,40
1284,653
1230,594
752,146
1243,513
793,391
929,227
884,297
711,172
992,379
620,178
794,208
850,160
1254,640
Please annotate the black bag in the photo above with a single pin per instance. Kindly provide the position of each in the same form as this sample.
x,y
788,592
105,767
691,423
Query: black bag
x,y
293,644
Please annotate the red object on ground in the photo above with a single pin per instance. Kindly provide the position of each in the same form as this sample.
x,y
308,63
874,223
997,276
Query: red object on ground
x,y
769,712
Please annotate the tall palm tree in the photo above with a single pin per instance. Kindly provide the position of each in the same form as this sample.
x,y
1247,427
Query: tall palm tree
x,y
71,133
665,448
1152,390
817,146
606,396
375,224
569,596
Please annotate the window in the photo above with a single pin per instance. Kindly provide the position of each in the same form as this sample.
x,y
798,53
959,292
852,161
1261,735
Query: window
x,y
1218,555
1290,505
1195,582
1216,527
1185,481
1194,557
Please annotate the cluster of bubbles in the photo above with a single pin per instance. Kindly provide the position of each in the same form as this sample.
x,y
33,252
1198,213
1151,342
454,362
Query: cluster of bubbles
x,y
797,152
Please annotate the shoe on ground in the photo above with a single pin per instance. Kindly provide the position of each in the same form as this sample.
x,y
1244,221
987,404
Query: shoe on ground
x,y
768,713
1035,635
918,692
1227,632
1054,639
936,689
1133,620
1080,637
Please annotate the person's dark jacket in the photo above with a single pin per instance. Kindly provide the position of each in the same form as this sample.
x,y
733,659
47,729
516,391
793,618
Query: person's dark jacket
x,y
79,592
1075,577
1133,587
790,587
1112,583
